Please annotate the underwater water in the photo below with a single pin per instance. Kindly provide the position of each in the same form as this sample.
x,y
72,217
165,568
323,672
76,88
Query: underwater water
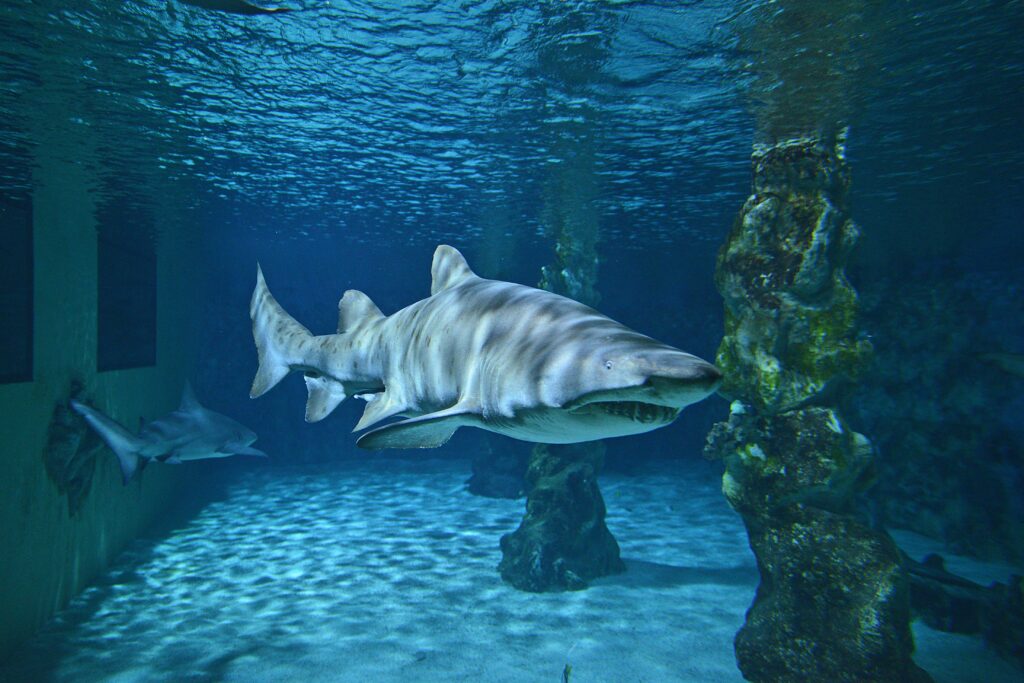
x,y
861,274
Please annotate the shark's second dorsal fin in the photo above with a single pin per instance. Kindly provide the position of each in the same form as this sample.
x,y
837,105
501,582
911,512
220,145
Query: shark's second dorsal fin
x,y
355,309
188,398
448,269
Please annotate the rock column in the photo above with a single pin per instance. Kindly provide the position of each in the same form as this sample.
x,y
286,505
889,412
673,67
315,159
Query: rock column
x,y
833,601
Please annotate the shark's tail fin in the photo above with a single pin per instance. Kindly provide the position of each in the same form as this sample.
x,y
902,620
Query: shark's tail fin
x,y
124,444
280,339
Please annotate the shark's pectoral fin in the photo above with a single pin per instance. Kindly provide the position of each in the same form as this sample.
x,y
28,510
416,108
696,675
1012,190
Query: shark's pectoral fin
x,y
325,394
426,431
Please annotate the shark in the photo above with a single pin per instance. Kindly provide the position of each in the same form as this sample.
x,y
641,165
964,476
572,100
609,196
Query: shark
x,y
500,356
191,432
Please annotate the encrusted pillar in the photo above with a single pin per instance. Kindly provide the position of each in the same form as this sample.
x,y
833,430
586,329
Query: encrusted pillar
x,y
562,542
833,602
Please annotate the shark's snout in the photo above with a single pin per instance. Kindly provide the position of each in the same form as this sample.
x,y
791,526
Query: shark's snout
x,y
683,380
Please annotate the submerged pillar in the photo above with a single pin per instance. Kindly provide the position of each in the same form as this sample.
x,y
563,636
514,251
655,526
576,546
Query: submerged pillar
x,y
833,600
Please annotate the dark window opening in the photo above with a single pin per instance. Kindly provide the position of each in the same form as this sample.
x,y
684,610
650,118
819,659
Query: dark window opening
x,y
126,290
16,288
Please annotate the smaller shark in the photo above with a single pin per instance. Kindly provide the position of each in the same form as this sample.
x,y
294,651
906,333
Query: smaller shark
x,y
189,433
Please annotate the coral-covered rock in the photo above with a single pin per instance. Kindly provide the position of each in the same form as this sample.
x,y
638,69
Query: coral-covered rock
x,y
562,542
790,326
833,601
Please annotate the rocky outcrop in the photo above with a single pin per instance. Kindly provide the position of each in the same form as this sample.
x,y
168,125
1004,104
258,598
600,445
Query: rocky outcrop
x,y
562,542
942,413
833,601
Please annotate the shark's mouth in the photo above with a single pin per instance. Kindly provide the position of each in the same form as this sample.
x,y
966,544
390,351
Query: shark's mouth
x,y
635,411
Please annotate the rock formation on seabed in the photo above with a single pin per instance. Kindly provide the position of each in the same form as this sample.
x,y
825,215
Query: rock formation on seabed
x,y
833,601
943,411
562,542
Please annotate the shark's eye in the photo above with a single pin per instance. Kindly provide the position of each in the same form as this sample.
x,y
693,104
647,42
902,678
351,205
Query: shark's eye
x,y
608,365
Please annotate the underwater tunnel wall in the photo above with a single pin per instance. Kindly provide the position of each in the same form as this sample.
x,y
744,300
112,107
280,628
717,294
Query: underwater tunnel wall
x,y
54,544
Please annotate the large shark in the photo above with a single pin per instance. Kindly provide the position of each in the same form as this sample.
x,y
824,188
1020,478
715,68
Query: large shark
x,y
189,433
496,355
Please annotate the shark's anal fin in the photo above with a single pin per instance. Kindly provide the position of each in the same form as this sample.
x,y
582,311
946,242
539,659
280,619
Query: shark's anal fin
x,y
426,431
325,393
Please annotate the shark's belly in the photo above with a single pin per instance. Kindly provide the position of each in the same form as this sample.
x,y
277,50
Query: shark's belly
x,y
590,423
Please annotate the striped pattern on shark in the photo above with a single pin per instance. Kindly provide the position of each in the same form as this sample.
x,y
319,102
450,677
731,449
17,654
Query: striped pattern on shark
x,y
500,356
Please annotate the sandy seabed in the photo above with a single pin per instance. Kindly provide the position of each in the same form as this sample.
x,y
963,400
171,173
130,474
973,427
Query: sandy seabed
x,y
385,570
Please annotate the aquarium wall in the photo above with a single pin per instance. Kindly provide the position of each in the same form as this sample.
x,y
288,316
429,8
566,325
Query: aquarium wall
x,y
94,307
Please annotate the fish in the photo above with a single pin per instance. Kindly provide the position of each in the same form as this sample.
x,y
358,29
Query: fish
x,y
236,6
191,432
499,356
1012,363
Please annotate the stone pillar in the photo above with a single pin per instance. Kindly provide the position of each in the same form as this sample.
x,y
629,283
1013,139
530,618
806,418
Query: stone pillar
x,y
833,602
562,542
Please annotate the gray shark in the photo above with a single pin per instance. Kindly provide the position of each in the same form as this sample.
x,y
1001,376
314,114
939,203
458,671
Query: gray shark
x,y
496,355
189,433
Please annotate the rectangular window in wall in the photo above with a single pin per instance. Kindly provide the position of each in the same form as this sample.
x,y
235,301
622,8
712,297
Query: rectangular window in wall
x,y
16,290
126,291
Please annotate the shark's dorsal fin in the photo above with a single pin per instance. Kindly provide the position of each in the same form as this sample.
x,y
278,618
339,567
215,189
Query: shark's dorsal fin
x,y
188,398
355,309
448,269
426,431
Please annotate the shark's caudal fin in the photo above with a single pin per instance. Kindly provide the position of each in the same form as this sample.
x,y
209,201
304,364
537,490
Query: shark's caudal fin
x,y
124,444
279,338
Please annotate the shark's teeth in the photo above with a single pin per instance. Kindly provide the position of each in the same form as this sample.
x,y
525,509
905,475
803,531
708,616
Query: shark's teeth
x,y
636,411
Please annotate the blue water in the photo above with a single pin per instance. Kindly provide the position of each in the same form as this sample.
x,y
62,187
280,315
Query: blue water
x,y
338,144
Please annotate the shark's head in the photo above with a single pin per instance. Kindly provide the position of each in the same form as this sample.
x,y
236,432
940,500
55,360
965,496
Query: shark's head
x,y
239,440
636,389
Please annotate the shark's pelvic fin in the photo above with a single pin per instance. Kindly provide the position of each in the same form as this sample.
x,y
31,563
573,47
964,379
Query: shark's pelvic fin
x,y
448,269
380,408
324,396
426,431
124,444
280,339
355,310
